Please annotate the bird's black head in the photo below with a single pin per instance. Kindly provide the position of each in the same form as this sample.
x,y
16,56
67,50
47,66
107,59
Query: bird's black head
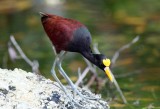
x,y
103,63
100,61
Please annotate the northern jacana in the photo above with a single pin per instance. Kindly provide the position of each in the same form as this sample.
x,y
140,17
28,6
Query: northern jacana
x,y
68,35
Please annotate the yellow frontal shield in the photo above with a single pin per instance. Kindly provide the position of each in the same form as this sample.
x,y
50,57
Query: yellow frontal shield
x,y
107,63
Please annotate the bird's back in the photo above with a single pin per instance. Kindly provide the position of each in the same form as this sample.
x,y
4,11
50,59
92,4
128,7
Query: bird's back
x,y
66,34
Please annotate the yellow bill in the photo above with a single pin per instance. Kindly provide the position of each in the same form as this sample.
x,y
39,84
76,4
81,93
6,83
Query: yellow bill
x,y
108,73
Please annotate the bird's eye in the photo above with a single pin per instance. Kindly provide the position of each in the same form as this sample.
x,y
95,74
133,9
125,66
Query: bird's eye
x,y
106,62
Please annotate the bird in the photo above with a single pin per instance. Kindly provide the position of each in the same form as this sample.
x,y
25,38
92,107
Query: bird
x,y
69,35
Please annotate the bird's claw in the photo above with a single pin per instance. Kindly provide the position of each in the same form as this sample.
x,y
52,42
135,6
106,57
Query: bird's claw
x,y
74,88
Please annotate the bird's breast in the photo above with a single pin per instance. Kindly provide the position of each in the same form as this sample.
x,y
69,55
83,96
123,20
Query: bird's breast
x,y
81,40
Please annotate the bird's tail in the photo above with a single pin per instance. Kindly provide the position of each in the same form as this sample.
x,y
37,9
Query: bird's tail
x,y
43,14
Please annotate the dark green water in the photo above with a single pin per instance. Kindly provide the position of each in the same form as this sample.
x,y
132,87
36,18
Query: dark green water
x,y
112,25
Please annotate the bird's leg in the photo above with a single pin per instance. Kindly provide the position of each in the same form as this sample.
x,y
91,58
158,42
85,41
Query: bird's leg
x,y
74,88
59,82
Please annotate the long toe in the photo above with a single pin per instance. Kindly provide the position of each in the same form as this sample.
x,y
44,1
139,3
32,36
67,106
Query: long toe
x,y
83,95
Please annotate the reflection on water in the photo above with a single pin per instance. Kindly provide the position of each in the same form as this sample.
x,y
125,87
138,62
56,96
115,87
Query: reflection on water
x,y
112,25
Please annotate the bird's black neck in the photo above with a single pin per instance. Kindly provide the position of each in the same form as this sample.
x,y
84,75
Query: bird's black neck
x,y
96,59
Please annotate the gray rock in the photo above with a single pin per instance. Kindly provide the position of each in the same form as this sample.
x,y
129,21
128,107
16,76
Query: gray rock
x,y
24,90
